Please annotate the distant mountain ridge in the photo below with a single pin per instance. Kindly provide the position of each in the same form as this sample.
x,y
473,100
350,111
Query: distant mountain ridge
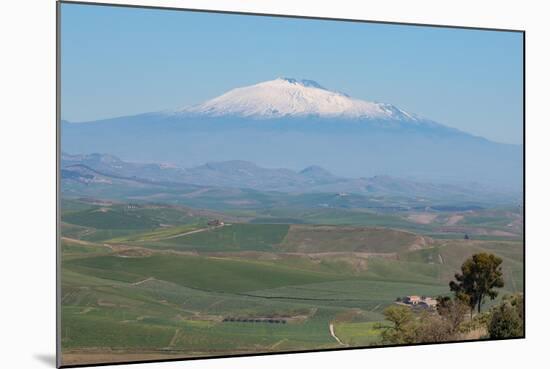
x,y
99,168
291,123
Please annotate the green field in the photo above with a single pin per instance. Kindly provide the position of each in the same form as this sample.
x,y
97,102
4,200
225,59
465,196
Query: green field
x,y
303,238
158,280
234,237
358,334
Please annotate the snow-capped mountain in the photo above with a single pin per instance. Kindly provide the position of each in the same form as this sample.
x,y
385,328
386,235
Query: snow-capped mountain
x,y
284,97
290,123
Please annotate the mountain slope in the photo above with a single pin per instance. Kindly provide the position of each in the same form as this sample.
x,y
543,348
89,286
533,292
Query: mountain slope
x,y
293,124
291,97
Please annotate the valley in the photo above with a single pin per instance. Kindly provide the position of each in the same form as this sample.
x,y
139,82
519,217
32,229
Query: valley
x,y
152,281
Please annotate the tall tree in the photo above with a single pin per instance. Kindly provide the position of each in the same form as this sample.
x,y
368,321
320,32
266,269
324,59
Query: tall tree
x,y
481,274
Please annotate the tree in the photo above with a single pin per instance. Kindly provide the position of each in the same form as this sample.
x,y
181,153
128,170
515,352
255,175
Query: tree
x,y
507,319
517,301
433,328
452,311
481,274
403,326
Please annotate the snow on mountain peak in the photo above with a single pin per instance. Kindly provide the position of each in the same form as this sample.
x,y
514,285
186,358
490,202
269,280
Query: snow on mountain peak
x,y
283,97
302,82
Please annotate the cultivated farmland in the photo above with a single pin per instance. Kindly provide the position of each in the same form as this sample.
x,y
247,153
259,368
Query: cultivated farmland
x,y
154,281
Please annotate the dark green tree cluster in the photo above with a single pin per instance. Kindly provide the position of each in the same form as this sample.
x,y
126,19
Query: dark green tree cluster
x,y
507,318
409,327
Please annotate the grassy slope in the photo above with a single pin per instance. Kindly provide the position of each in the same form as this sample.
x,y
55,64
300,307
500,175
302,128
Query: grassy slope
x,y
182,308
234,237
93,222
450,254
99,312
340,238
100,301
211,274
358,334
107,218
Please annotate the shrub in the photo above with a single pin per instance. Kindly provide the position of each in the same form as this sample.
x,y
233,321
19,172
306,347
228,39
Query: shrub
x,y
507,319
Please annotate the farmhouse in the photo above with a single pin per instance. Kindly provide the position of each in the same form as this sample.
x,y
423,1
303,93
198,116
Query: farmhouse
x,y
420,302
215,223
412,300
428,303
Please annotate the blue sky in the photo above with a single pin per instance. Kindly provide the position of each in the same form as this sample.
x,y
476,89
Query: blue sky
x,y
122,61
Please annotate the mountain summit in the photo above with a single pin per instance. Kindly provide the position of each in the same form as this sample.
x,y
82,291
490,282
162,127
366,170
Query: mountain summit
x,y
286,97
291,123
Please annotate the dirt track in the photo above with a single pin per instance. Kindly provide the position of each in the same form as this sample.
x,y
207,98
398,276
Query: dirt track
x,y
331,329
189,232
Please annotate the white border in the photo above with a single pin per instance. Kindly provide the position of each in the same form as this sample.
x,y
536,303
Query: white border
x,y
27,152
